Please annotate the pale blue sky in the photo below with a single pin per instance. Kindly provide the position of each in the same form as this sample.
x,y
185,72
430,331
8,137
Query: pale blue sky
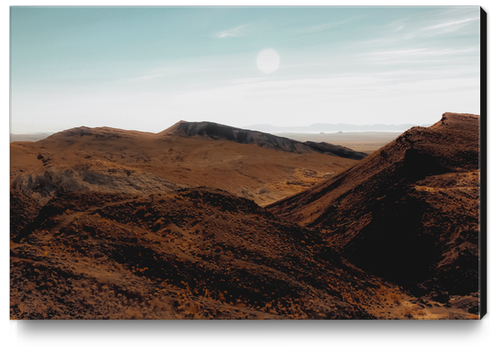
x,y
147,68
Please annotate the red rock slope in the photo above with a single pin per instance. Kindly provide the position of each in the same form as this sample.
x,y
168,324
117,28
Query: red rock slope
x,y
409,212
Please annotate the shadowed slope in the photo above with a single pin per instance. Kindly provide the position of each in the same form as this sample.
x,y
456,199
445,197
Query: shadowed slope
x,y
409,212
196,253
23,210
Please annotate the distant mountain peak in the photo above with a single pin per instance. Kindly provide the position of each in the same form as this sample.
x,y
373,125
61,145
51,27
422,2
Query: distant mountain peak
x,y
217,131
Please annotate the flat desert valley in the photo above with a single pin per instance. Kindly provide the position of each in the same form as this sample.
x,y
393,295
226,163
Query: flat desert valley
x,y
207,221
367,141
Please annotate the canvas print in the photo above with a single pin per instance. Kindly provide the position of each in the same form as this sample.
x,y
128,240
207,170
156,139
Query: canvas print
x,y
246,163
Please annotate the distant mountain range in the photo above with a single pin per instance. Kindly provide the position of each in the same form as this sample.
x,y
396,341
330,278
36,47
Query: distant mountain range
x,y
29,137
329,128
314,128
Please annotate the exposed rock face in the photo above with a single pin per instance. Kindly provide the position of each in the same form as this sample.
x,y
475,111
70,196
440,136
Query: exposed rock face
x,y
90,178
409,212
218,131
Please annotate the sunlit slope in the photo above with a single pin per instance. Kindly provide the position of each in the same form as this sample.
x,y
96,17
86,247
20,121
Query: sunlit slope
x,y
113,160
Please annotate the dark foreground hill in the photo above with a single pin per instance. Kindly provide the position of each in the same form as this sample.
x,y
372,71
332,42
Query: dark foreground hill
x,y
218,131
194,254
409,212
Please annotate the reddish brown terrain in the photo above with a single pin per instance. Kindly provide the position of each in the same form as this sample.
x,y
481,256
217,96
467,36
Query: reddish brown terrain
x,y
196,253
409,212
113,160
112,224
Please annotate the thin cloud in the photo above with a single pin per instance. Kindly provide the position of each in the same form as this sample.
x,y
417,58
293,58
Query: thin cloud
x,y
420,51
160,73
317,28
336,87
234,32
144,78
449,24
418,55
325,26
443,28
246,80
397,25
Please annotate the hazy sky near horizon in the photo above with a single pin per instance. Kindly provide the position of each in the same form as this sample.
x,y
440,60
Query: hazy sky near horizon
x,y
147,68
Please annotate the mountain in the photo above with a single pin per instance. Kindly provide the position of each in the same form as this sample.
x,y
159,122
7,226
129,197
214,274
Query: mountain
x,y
109,160
195,253
114,224
409,212
218,131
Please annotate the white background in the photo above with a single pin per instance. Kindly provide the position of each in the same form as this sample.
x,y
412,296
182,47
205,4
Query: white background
x,y
208,333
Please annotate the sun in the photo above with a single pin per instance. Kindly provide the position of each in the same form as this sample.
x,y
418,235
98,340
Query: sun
x,y
268,60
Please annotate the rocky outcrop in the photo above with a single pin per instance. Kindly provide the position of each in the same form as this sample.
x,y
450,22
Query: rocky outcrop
x,y
223,132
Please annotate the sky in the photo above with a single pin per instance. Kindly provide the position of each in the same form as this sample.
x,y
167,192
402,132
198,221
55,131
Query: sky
x,y
146,68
